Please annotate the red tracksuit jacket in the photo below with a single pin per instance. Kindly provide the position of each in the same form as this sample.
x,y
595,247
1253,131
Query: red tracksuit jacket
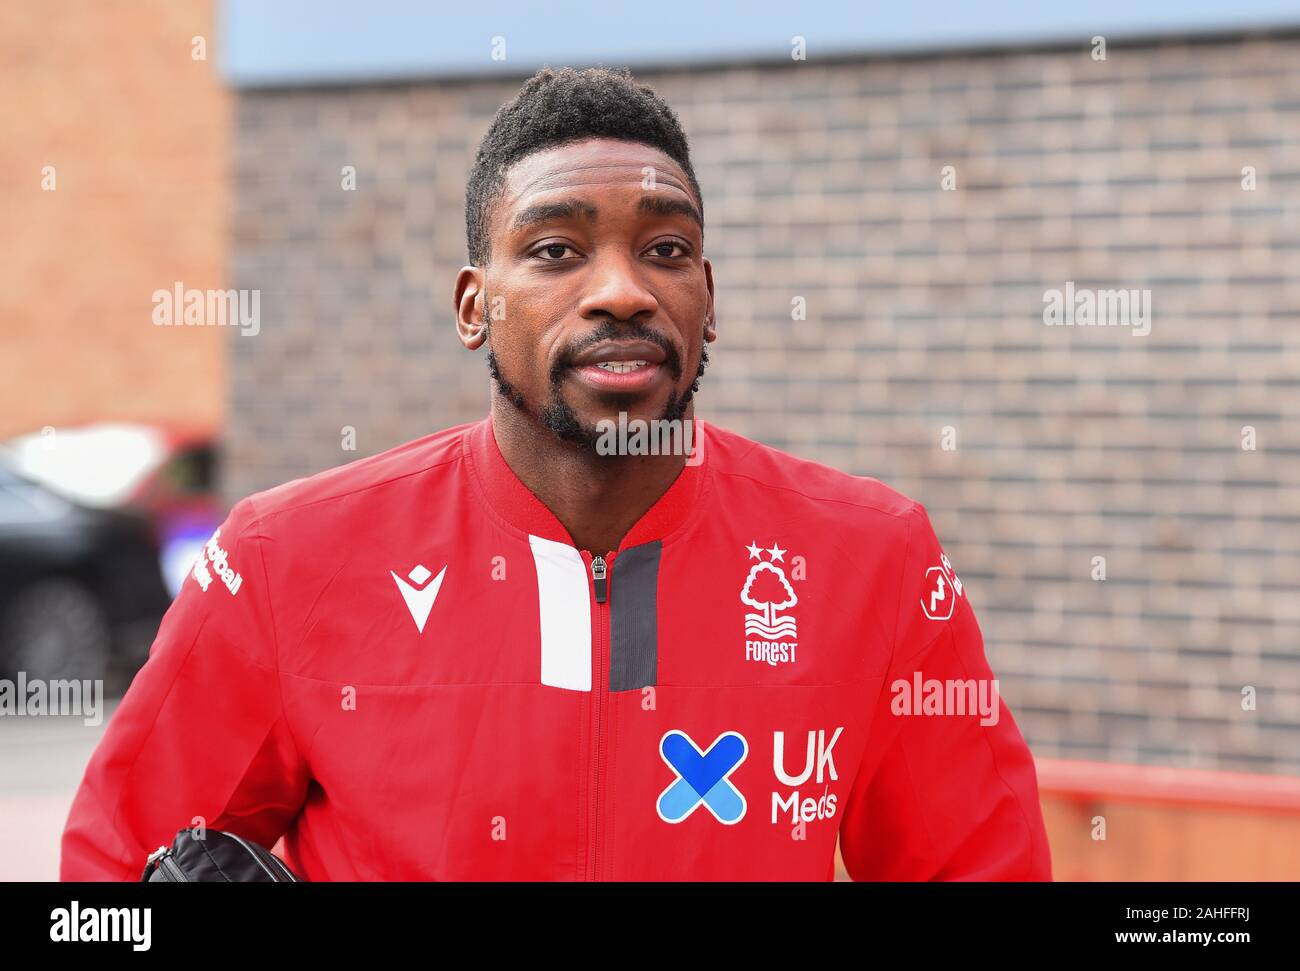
x,y
405,668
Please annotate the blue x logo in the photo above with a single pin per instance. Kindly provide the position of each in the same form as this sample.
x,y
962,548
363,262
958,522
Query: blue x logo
x,y
702,777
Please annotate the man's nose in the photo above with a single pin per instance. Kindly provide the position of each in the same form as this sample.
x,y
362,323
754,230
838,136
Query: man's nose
x,y
616,290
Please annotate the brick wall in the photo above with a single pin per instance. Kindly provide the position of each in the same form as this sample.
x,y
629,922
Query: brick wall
x,y
925,312
108,94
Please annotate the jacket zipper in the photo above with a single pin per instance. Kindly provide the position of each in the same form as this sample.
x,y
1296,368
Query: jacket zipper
x,y
600,567
161,859
268,861
173,870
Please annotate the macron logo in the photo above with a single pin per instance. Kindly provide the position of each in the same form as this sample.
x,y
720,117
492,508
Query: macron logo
x,y
420,597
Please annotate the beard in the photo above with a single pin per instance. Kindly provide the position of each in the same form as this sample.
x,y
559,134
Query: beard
x,y
559,417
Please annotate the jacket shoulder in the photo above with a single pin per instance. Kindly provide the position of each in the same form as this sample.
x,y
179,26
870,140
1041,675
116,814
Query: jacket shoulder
x,y
788,478
442,449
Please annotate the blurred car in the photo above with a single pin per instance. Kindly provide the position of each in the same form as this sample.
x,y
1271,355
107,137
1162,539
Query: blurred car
x,y
73,581
98,526
167,474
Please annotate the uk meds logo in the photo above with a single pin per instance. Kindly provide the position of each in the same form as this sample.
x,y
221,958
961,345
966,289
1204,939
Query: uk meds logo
x,y
702,778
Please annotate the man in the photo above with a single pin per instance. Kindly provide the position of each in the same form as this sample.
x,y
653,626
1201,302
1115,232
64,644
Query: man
x,y
525,649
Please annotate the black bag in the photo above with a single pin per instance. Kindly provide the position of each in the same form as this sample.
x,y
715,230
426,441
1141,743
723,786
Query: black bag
x,y
219,858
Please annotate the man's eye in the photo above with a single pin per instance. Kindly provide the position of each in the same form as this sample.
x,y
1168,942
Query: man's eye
x,y
659,249
552,252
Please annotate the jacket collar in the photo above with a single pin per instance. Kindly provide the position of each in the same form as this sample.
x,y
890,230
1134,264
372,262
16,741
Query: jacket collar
x,y
514,503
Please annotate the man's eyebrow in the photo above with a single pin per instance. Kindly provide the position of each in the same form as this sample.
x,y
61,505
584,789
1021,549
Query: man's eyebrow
x,y
546,211
572,208
669,206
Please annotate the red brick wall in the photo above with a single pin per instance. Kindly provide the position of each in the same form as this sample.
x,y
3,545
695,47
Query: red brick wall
x,y
1123,822
107,92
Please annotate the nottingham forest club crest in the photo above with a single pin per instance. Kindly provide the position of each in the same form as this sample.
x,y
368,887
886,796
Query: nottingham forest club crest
x,y
771,632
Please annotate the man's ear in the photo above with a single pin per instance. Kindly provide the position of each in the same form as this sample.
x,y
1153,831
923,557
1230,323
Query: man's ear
x,y
710,312
469,299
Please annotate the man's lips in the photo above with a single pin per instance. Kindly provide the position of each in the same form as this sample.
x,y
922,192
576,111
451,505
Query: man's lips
x,y
614,351
635,376
620,366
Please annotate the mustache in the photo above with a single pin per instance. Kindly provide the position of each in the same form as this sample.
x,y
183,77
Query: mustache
x,y
609,331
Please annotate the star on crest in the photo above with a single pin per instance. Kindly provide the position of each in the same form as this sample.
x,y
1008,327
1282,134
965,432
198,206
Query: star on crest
x,y
777,553
755,551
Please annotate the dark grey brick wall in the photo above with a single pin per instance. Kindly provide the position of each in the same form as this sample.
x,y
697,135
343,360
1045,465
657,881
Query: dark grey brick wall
x,y
823,181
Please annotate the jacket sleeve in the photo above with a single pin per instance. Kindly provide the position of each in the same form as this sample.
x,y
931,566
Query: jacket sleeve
x,y
947,788
202,731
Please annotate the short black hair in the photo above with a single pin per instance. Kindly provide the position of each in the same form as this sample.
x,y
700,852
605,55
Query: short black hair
x,y
555,107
